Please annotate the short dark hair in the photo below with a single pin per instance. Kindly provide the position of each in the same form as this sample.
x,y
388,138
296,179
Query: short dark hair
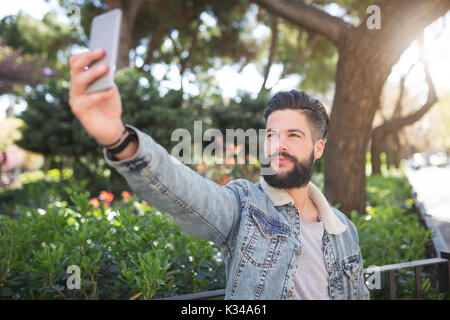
x,y
297,100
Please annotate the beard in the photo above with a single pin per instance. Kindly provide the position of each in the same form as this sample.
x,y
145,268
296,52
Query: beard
x,y
297,177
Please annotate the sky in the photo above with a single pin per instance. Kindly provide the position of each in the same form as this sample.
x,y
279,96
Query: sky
x,y
228,78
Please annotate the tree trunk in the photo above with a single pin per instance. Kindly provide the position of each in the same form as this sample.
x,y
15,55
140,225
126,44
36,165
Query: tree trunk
x,y
358,88
387,143
375,152
389,149
397,149
365,61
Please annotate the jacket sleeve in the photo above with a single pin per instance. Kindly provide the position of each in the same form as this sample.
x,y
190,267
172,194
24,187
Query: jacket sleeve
x,y
201,207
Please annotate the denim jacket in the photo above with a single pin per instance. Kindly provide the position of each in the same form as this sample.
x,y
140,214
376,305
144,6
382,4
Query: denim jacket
x,y
256,226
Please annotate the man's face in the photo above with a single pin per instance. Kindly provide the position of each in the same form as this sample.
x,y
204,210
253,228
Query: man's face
x,y
289,135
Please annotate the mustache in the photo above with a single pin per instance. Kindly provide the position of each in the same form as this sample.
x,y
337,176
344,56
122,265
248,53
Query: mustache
x,y
283,154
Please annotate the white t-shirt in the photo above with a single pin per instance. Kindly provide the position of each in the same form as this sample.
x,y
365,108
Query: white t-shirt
x,y
311,277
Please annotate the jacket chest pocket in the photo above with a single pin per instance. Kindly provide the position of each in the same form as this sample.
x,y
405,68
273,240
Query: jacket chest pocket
x,y
263,239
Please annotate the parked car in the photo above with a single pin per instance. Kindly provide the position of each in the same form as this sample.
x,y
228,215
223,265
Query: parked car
x,y
417,161
439,159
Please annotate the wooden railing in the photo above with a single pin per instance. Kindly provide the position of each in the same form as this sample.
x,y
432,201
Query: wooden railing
x,y
444,278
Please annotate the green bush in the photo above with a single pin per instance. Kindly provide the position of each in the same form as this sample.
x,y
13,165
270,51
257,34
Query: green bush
x,y
129,250
37,189
126,251
390,232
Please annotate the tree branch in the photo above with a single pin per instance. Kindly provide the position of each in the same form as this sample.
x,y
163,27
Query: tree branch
x,y
177,52
398,107
308,17
303,53
154,41
302,56
400,122
273,47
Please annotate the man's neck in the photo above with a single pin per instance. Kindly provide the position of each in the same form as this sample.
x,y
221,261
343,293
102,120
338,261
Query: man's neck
x,y
306,207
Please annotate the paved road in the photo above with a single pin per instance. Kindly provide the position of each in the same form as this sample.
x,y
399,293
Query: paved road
x,y
432,185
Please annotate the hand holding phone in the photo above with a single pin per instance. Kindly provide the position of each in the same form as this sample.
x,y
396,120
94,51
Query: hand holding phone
x,y
100,110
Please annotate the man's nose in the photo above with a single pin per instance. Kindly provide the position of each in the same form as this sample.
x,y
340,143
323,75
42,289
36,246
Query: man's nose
x,y
278,150
282,144
276,144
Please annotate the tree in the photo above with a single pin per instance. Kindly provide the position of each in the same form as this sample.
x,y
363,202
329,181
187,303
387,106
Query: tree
x,y
18,70
366,57
30,49
297,52
49,127
52,130
46,38
390,128
193,42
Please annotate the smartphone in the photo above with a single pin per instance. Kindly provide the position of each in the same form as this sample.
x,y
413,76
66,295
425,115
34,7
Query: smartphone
x,y
105,34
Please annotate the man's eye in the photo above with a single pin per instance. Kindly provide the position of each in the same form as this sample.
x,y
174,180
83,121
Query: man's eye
x,y
294,135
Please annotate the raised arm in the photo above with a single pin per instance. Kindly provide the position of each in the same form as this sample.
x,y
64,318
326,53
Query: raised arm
x,y
199,206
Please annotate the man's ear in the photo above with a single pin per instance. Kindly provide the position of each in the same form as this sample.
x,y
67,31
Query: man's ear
x,y
319,146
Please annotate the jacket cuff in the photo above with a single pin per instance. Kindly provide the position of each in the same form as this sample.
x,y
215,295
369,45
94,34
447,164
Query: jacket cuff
x,y
114,162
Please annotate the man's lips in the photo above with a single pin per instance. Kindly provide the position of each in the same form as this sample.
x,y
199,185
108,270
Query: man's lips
x,y
282,160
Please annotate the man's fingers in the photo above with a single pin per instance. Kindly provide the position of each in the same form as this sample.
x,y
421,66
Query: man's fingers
x,y
77,64
96,97
88,101
84,79
75,57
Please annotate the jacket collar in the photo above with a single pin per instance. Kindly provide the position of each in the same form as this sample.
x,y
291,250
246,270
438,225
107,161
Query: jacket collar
x,y
280,197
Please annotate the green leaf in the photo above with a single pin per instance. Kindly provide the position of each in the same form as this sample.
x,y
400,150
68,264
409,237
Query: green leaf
x,y
97,258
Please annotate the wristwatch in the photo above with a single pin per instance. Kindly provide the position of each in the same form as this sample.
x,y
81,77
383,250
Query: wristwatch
x,y
131,136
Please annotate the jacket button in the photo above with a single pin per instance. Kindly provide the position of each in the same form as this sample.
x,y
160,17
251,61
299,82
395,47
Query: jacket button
x,y
289,294
299,252
291,213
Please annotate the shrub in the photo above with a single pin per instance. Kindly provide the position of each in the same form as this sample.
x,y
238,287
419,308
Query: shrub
x,y
126,249
390,232
129,250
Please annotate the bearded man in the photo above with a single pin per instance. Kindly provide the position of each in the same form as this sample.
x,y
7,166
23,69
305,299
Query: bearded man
x,y
280,237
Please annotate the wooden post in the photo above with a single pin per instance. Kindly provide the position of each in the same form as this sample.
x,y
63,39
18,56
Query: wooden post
x,y
419,282
392,285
